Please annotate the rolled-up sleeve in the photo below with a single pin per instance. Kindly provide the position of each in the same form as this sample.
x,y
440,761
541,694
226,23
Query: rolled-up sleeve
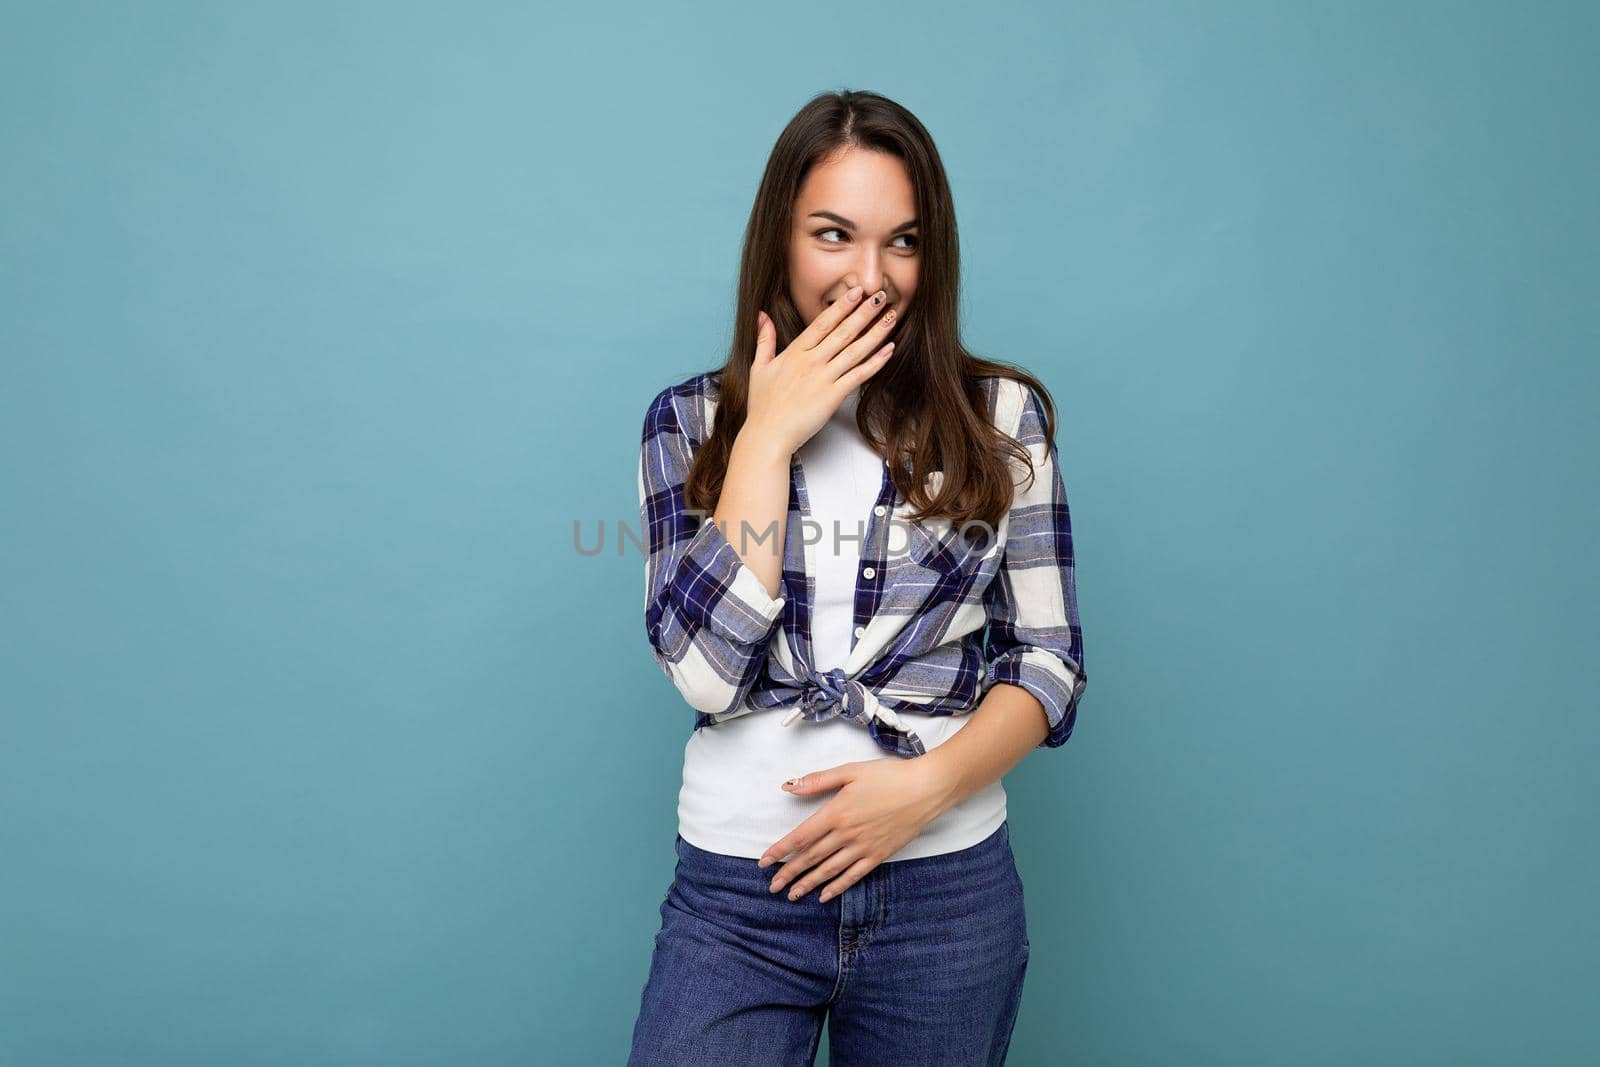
x,y
709,619
1034,638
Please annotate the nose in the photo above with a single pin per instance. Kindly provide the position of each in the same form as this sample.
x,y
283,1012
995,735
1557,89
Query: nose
x,y
869,274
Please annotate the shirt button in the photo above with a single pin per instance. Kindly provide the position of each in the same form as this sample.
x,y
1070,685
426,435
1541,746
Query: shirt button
x,y
869,573
860,630
879,510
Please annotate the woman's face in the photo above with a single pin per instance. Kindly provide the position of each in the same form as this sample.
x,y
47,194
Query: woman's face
x,y
855,223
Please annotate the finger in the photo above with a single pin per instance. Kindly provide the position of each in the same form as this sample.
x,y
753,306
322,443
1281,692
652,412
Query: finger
x,y
830,317
809,856
793,841
805,855
867,343
851,327
817,781
825,870
857,871
766,339
865,369
822,852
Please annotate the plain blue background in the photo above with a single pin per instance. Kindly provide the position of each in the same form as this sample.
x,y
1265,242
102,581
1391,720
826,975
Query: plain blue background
x,y
323,324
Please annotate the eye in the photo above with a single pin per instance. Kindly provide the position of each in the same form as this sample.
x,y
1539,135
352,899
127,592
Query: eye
x,y
904,236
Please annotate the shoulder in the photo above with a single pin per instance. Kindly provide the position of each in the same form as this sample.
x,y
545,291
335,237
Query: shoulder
x,y
1010,402
684,407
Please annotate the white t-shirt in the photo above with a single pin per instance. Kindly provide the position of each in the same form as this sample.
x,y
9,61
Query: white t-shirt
x,y
732,801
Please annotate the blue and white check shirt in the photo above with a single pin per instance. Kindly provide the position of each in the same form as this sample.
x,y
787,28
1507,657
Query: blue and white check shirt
x,y
924,602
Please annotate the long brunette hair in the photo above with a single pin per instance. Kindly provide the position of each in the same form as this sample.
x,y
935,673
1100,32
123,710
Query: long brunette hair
x,y
928,397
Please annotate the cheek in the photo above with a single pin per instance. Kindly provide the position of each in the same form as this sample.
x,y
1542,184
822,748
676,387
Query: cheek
x,y
807,286
808,274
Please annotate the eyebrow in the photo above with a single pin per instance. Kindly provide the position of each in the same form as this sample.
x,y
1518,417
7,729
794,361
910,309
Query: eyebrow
x,y
847,224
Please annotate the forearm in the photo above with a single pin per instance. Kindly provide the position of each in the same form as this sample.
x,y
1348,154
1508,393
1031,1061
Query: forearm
x,y
1006,725
753,509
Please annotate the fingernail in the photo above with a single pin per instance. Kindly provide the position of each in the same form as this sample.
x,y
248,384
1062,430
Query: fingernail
x,y
854,294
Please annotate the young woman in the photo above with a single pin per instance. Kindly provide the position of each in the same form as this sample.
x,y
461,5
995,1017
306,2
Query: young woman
x,y
860,577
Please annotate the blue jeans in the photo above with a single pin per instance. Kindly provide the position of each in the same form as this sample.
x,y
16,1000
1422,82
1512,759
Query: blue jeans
x,y
920,962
